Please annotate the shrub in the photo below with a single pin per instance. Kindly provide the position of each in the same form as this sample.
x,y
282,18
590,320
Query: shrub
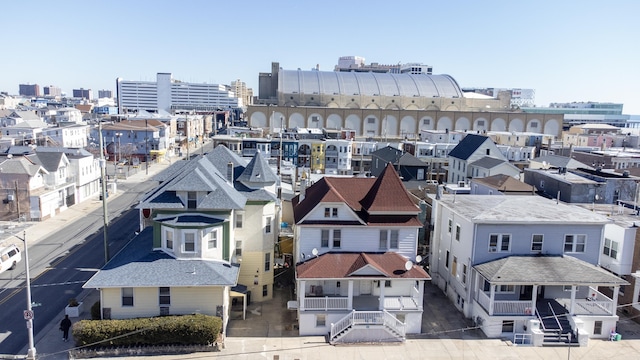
x,y
194,329
73,302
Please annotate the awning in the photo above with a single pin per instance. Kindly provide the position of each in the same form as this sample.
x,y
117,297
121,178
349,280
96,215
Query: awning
x,y
241,291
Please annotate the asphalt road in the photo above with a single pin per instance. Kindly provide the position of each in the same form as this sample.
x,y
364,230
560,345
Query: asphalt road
x,y
62,262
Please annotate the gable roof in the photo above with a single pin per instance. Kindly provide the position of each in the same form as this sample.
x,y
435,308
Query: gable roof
x,y
51,161
349,265
365,196
138,265
388,154
258,172
505,183
467,146
558,161
487,162
21,165
558,270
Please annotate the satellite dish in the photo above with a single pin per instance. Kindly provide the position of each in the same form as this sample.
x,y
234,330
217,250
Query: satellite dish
x,y
545,165
597,197
408,265
314,252
418,258
420,188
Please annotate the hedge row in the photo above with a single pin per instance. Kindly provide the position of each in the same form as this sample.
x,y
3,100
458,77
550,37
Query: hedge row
x,y
176,330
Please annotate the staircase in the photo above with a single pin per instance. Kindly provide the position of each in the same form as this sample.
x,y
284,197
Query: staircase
x,y
367,326
554,320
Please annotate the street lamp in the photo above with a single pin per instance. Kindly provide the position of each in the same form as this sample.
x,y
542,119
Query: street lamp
x,y
28,314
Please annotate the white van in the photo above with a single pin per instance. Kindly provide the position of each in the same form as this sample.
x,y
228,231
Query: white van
x,y
9,258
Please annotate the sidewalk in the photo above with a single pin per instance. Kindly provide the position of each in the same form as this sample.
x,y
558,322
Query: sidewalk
x,y
48,341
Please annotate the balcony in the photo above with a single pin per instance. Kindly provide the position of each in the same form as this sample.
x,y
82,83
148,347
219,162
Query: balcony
x,y
505,307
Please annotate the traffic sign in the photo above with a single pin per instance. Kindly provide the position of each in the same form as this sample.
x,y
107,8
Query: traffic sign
x,y
28,314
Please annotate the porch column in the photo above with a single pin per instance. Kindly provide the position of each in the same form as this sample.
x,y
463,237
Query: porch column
x,y
350,295
534,298
301,290
421,292
492,298
572,307
616,291
381,298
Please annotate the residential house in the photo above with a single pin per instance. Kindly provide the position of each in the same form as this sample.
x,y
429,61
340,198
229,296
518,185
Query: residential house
x,y
83,167
524,267
408,166
338,155
59,190
72,136
487,166
500,185
21,180
355,247
470,149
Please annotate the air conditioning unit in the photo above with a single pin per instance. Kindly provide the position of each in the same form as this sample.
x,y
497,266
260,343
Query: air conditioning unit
x,y
493,248
10,197
460,183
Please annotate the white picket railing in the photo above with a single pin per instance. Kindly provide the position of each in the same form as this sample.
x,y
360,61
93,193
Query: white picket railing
x,y
326,303
368,318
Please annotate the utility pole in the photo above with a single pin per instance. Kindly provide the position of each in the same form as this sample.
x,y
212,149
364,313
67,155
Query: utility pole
x,y
17,202
105,214
28,314
146,145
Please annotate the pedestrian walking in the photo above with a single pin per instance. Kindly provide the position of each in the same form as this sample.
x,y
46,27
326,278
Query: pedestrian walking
x,y
65,325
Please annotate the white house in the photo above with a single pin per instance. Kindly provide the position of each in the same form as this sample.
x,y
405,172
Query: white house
x,y
524,267
355,244
471,149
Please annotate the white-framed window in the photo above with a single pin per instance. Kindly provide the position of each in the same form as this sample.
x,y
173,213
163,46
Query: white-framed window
x,y
321,320
389,239
499,242
239,220
464,273
536,242
458,232
212,242
267,225
446,260
454,267
192,199
238,248
127,296
610,248
189,242
164,296
337,238
383,240
575,243
324,238
331,212
393,239
168,239
267,262
450,227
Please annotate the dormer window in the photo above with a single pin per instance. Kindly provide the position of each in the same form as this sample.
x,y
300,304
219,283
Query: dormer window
x,y
192,200
168,239
189,242
213,240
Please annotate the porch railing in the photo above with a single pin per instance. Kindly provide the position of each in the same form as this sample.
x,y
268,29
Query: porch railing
x,y
326,303
505,307
368,318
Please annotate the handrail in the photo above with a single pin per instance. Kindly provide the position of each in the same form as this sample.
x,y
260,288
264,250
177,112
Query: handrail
x,y
555,317
342,324
540,319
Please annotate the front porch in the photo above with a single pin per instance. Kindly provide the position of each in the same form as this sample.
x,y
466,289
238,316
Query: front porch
x,y
328,295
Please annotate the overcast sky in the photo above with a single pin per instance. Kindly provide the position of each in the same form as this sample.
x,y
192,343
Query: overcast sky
x,y
566,50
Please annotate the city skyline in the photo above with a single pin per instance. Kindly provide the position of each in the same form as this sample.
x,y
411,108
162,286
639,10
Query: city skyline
x,y
567,51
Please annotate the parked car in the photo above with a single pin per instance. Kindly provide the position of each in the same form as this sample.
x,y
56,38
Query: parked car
x,y
9,257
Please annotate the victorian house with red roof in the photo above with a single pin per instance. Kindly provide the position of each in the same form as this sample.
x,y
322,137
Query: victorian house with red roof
x,y
355,247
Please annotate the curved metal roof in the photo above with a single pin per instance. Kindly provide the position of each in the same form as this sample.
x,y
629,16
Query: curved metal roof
x,y
368,84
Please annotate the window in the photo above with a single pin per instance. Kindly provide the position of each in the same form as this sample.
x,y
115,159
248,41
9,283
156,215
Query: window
x,y
450,226
189,242
336,238
574,243
536,242
239,218
334,212
265,290
464,273
213,240
321,320
168,238
127,296
426,121
597,327
610,248
505,289
191,199
507,326
383,239
327,212
371,120
267,226
458,232
499,242
394,239
267,262
488,152
324,238
387,283
238,248
164,297
454,266
330,212
446,260
568,288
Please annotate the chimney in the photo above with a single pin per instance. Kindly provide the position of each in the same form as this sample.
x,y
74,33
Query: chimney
x,y
230,172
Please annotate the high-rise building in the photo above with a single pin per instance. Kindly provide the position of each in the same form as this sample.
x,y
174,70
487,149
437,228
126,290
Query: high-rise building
x,y
243,93
29,90
170,94
357,64
83,93
52,91
105,94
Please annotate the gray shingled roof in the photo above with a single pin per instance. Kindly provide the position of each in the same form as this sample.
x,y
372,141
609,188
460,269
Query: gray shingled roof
x,y
467,146
221,156
137,265
546,270
51,161
20,165
258,172
487,162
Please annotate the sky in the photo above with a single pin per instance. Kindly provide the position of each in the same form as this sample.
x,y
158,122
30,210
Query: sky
x,y
566,50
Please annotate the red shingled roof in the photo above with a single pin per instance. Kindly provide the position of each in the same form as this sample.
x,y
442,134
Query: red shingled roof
x,y
343,265
366,196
